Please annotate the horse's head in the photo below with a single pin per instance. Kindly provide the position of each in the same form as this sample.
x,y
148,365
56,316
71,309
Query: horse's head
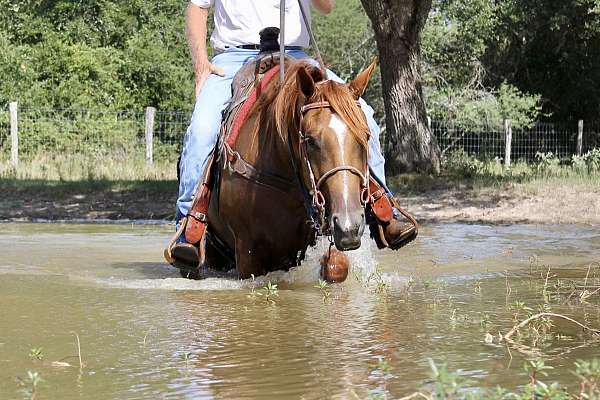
x,y
334,152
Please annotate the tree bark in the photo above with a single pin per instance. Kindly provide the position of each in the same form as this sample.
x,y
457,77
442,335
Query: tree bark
x,y
409,145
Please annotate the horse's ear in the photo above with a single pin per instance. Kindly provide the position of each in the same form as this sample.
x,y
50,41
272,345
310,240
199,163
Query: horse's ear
x,y
359,84
306,83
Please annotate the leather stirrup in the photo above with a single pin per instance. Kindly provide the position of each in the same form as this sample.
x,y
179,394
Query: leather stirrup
x,y
197,218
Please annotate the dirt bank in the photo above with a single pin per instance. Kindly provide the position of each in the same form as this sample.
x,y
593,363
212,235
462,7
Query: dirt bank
x,y
517,204
548,203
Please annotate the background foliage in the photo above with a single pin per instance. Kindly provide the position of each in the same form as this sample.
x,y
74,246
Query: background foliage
x,y
483,60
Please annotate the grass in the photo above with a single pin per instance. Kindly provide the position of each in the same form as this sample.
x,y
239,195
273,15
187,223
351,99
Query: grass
x,y
522,175
83,168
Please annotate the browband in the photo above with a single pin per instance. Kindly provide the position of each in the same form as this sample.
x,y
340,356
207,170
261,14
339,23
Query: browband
x,y
319,104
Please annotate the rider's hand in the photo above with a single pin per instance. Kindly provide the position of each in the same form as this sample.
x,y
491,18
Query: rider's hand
x,y
203,70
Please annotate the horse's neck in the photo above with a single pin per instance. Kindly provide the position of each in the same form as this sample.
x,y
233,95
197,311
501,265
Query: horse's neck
x,y
264,147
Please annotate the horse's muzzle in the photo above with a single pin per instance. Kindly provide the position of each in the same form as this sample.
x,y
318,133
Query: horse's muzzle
x,y
348,230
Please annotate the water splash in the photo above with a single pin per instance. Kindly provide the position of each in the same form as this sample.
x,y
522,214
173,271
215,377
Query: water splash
x,y
362,267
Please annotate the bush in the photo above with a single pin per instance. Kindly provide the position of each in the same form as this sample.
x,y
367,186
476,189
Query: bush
x,y
547,163
461,164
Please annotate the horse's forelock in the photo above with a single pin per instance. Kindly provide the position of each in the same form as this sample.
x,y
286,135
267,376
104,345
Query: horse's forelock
x,y
343,103
286,96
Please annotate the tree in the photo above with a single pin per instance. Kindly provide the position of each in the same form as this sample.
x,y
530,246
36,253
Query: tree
x,y
551,48
455,81
397,24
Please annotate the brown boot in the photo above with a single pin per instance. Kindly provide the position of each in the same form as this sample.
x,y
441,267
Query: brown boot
x,y
181,254
398,232
185,256
390,225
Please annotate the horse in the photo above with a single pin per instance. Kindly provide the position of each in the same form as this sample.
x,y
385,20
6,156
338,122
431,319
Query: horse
x,y
309,137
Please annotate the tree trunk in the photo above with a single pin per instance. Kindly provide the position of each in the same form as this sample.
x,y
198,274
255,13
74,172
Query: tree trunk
x,y
410,145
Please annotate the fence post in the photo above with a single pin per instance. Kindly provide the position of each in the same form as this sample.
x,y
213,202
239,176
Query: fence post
x,y
508,134
150,112
580,137
429,122
14,134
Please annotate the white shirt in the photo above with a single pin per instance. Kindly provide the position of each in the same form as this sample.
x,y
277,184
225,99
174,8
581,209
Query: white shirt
x,y
238,22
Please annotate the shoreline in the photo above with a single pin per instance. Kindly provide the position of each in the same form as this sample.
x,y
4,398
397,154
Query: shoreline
x,y
437,201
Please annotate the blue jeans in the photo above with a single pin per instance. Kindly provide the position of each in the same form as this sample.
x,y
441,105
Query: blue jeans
x,y
201,135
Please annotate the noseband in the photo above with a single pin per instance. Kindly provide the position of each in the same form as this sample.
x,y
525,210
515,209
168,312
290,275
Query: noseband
x,y
318,199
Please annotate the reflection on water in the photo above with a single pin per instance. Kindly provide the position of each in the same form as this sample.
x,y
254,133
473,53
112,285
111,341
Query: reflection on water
x,y
146,333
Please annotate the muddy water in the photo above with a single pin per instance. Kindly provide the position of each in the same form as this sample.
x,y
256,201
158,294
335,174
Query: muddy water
x,y
146,333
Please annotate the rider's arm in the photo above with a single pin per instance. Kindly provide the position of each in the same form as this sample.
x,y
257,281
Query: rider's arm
x,y
196,28
324,6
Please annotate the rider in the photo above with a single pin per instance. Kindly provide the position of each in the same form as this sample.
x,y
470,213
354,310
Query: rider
x,y
234,39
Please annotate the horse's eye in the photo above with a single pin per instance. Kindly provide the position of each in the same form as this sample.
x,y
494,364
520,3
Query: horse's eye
x,y
311,142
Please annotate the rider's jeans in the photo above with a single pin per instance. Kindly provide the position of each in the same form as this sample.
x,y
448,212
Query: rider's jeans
x,y
201,135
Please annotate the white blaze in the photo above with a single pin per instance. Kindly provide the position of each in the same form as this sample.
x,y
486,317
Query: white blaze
x,y
339,127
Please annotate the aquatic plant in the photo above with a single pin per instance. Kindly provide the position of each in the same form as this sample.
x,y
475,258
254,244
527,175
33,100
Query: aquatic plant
x,y
187,357
518,307
269,292
378,283
588,373
29,384
324,287
36,353
445,385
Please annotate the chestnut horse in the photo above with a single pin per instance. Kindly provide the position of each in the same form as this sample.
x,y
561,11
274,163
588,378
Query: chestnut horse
x,y
311,134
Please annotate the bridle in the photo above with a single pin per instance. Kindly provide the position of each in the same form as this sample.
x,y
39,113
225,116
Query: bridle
x,y
317,200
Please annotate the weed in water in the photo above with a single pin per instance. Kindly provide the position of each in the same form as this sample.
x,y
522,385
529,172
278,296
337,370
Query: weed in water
x,y
36,353
383,367
376,394
29,384
485,321
446,384
380,286
187,357
324,287
536,368
588,373
517,308
269,292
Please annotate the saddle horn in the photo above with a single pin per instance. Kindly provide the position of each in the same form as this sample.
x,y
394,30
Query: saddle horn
x,y
269,39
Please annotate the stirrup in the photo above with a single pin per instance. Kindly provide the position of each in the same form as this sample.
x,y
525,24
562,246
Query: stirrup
x,y
408,231
184,256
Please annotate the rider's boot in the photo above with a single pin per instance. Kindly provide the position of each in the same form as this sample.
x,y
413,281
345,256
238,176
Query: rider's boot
x,y
390,225
184,249
181,254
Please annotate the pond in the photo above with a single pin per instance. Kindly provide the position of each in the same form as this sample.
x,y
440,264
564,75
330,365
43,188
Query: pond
x,y
147,333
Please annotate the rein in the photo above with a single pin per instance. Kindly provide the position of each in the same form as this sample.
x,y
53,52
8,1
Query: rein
x,y
313,41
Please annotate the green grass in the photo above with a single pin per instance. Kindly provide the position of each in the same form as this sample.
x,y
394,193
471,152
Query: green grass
x,y
461,171
72,168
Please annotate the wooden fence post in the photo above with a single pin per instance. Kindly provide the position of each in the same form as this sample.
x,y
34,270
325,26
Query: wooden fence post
x,y
14,134
507,149
580,137
150,112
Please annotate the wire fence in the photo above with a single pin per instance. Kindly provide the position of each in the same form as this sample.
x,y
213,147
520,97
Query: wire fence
x,y
96,134
120,135
485,141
